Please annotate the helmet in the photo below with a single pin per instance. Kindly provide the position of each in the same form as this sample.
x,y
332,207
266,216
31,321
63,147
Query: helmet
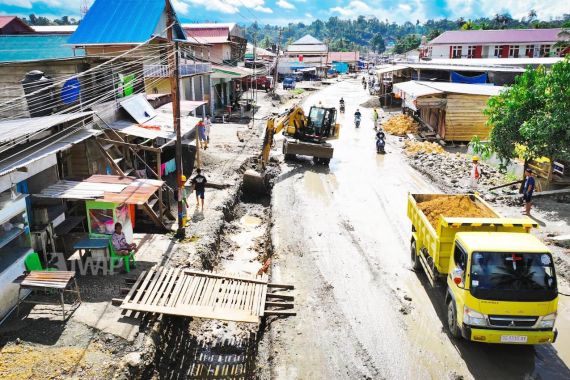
x,y
475,158
183,178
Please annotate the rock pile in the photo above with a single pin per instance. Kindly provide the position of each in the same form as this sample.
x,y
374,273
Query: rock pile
x,y
413,147
452,171
399,125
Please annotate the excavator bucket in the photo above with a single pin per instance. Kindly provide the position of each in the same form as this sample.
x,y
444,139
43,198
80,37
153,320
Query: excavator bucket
x,y
255,182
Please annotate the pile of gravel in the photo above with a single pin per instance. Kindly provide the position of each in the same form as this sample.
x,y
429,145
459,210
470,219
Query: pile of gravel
x,y
452,171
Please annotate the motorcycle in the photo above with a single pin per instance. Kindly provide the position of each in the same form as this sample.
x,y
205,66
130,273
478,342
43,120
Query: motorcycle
x,y
341,107
364,85
380,144
357,121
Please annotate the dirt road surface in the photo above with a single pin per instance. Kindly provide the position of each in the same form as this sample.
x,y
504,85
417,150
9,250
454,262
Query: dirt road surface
x,y
341,235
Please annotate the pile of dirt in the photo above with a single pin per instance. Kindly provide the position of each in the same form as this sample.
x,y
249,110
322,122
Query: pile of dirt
x,y
453,206
413,147
373,102
400,125
23,361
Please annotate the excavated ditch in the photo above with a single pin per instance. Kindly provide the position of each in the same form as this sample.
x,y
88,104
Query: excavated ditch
x,y
193,348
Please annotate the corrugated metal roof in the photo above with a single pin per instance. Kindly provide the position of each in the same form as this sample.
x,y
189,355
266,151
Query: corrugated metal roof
x,y
48,147
390,69
419,88
35,47
107,188
12,129
207,32
504,36
308,40
158,127
123,22
5,20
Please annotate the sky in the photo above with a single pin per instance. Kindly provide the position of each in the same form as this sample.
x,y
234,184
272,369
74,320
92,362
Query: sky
x,y
281,12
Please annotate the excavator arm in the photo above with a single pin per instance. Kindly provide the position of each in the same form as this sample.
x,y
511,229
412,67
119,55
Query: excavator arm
x,y
293,119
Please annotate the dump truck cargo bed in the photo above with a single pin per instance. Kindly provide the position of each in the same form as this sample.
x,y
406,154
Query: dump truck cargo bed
x,y
437,218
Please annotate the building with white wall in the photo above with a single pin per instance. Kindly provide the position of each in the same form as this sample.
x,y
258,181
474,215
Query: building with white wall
x,y
507,43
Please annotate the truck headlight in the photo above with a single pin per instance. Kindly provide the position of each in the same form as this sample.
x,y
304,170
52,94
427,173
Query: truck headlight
x,y
547,321
473,318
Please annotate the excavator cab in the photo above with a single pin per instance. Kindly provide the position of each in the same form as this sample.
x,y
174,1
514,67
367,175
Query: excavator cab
x,y
321,123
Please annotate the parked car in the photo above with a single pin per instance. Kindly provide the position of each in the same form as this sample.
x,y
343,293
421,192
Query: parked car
x,y
289,83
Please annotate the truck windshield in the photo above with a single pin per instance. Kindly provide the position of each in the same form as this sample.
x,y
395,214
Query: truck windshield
x,y
513,276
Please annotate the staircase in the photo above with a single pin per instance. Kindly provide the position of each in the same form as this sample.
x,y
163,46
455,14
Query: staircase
x,y
113,147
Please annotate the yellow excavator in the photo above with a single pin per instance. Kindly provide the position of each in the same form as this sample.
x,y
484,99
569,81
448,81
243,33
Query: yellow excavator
x,y
305,135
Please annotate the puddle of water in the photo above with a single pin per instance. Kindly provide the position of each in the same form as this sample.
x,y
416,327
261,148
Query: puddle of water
x,y
250,220
315,187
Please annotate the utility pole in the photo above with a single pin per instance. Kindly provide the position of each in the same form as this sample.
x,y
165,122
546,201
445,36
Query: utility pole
x,y
173,63
275,73
254,93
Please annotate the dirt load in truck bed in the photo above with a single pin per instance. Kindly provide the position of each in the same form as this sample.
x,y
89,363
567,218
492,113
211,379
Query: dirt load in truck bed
x,y
453,207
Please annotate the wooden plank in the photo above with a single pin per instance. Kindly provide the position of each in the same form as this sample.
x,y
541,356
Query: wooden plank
x,y
189,283
262,301
144,285
135,286
163,282
153,285
168,291
241,278
176,291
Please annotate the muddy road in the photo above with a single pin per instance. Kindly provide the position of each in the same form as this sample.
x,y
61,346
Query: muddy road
x,y
341,235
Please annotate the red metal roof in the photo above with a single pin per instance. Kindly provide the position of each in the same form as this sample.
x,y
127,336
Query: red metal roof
x,y
343,56
207,32
505,36
5,20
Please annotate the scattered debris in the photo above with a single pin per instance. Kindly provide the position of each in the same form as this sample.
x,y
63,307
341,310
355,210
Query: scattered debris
x,y
373,102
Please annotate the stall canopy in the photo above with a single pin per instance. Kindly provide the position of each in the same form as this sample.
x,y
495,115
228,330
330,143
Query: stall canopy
x,y
229,72
106,188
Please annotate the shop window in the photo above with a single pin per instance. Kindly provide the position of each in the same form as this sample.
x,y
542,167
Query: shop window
x,y
529,51
514,51
456,52
544,50
497,51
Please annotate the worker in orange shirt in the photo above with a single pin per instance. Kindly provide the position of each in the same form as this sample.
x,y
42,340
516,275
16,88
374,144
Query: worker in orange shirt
x,y
475,173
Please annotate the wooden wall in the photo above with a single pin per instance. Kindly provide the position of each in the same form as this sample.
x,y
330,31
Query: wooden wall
x,y
464,117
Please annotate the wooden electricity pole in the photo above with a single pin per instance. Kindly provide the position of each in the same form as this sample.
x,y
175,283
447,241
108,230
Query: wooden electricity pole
x,y
275,73
173,63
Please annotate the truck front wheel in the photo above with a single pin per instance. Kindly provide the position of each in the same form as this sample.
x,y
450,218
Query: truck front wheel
x,y
416,265
452,320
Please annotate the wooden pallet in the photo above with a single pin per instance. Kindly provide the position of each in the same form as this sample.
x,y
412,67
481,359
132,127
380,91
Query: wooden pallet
x,y
184,292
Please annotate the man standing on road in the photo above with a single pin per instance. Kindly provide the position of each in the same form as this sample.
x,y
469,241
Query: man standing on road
x,y
199,183
208,125
202,135
527,190
375,118
475,173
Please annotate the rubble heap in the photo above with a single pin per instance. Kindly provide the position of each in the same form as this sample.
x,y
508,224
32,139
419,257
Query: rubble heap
x,y
452,171
413,147
399,125
453,206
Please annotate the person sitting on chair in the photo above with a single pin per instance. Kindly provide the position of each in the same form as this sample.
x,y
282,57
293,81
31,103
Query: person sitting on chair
x,y
122,248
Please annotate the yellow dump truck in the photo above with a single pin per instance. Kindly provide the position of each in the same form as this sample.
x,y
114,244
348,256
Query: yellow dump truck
x,y
501,282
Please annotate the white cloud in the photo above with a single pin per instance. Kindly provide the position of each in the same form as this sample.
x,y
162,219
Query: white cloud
x,y
308,15
18,3
180,6
517,8
405,7
263,9
285,4
215,5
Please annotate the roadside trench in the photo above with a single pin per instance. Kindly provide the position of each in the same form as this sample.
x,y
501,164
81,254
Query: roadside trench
x,y
194,348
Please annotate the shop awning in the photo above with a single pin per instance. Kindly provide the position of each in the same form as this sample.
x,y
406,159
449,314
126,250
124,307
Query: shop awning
x,y
186,106
227,72
159,127
106,188
28,162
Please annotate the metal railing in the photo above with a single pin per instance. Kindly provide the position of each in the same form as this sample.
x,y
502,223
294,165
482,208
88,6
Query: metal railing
x,y
162,71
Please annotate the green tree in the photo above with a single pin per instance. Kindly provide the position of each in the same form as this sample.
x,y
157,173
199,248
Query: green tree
x,y
409,42
266,42
377,43
533,113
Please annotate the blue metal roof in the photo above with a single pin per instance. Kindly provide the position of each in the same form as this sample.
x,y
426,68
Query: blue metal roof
x,y
35,47
123,22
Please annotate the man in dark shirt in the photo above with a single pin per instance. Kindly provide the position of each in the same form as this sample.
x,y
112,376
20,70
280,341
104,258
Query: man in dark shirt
x,y
199,183
527,190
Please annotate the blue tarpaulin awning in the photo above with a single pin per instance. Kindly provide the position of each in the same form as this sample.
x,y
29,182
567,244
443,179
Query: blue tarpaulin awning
x,y
478,79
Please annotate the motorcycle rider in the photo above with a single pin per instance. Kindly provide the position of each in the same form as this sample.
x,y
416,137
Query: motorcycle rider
x,y
357,117
380,141
341,105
